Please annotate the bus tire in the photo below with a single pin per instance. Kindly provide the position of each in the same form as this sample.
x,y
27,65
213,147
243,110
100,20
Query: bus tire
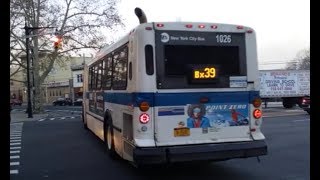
x,y
109,140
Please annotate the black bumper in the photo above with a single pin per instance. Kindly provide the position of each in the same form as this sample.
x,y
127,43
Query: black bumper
x,y
202,152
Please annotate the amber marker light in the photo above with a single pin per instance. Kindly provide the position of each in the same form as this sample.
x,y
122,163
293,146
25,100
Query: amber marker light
x,y
144,106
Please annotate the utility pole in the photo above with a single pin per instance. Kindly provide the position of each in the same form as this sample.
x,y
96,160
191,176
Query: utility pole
x,y
29,108
27,32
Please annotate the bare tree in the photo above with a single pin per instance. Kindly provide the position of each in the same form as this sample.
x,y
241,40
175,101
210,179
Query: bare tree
x,y
302,61
82,23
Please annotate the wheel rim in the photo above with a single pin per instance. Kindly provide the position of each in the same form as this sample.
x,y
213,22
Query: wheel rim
x,y
109,137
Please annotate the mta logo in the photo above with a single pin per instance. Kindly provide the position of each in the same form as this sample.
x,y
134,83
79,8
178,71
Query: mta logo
x,y
164,37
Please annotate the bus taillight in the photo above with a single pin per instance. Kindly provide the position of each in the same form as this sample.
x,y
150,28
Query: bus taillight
x,y
257,113
144,118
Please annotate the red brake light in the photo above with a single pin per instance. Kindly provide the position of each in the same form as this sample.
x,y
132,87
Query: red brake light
x,y
144,118
257,113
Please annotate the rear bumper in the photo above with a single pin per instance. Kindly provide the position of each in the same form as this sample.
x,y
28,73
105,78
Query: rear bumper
x,y
203,152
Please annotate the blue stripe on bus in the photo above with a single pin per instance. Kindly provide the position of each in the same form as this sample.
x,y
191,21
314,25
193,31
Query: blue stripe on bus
x,y
170,111
177,99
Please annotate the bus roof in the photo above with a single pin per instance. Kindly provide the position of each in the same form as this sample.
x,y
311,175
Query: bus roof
x,y
179,26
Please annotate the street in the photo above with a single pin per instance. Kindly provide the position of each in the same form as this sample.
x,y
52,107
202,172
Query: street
x,y
61,149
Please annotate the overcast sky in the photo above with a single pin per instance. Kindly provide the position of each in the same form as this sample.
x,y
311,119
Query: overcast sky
x,y
282,26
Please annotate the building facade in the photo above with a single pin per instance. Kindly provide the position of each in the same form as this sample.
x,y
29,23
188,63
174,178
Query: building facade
x,y
64,80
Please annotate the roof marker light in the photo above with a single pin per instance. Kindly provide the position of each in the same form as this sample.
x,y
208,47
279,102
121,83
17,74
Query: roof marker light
x,y
189,25
201,26
160,25
239,27
148,28
250,31
214,26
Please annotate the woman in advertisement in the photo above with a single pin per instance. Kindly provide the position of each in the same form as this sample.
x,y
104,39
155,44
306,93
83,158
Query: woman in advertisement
x,y
196,117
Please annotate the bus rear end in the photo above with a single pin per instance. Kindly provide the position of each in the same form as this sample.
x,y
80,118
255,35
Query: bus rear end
x,y
206,105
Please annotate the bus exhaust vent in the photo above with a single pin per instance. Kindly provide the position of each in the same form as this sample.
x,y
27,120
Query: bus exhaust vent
x,y
141,15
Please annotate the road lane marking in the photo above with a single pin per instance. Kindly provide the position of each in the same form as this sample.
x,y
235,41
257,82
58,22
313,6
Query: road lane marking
x,y
41,120
14,157
72,117
52,119
14,171
12,152
16,147
14,134
63,118
12,144
18,137
15,140
14,163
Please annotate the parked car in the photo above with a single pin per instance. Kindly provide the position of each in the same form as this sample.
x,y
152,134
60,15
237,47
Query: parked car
x,y
305,104
78,102
15,102
62,102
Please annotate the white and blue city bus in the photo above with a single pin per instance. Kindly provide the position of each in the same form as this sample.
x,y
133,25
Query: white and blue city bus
x,y
175,92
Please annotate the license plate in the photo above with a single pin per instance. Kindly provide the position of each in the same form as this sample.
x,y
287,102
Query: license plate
x,y
181,132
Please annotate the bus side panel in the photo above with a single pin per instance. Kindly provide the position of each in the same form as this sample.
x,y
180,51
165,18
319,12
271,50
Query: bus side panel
x,y
95,125
252,63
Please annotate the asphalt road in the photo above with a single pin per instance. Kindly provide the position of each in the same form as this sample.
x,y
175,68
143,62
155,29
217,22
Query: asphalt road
x,y
62,149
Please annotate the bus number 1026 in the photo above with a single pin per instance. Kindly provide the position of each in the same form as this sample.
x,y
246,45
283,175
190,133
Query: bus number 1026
x,y
223,38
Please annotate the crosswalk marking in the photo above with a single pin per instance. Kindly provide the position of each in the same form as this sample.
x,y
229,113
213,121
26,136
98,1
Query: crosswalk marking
x,y
14,171
17,137
15,146
12,144
15,140
59,118
13,152
14,163
14,157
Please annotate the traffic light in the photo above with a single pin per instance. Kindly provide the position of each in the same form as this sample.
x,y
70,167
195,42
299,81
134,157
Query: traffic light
x,y
57,42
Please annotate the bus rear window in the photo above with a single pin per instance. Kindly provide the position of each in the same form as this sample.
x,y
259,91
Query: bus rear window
x,y
200,65
180,60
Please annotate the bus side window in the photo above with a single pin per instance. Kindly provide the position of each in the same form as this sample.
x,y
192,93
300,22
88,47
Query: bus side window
x,y
149,59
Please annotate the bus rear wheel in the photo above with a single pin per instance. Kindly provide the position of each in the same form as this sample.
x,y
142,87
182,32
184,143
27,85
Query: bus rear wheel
x,y
109,141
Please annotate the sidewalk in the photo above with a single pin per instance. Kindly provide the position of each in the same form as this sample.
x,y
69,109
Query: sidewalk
x,y
22,116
